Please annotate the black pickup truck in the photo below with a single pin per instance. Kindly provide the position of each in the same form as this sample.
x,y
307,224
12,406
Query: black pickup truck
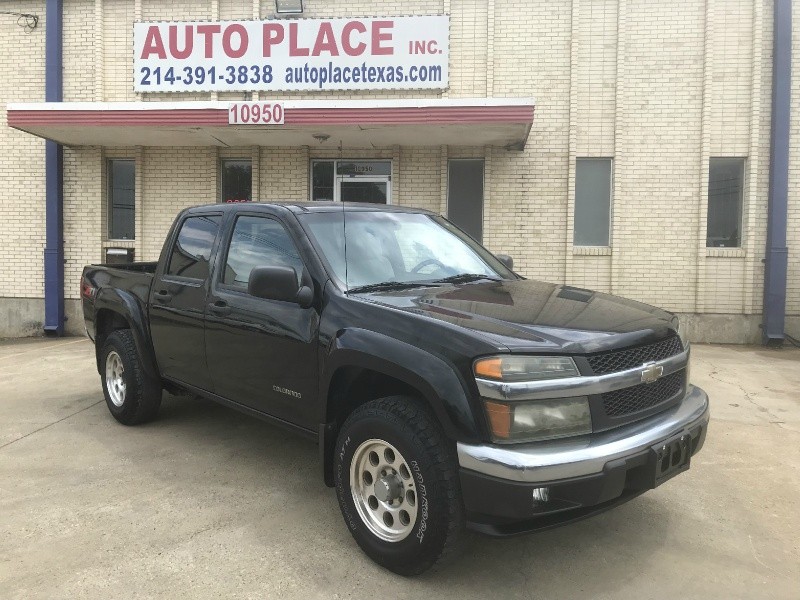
x,y
443,389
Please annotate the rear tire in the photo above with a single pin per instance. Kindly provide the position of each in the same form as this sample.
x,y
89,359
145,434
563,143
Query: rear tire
x,y
397,483
131,396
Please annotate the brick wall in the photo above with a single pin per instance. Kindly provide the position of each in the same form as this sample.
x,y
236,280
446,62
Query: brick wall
x,y
22,235
659,87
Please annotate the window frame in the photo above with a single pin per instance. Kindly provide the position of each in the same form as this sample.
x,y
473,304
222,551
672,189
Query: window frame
x,y
221,169
218,279
611,173
743,161
365,178
110,199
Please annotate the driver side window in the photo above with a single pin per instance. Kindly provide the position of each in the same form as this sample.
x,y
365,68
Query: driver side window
x,y
259,242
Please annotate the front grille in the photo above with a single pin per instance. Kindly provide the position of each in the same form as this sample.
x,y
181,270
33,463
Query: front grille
x,y
643,396
628,358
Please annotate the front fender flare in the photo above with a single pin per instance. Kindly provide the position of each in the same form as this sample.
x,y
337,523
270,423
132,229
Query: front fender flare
x,y
438,381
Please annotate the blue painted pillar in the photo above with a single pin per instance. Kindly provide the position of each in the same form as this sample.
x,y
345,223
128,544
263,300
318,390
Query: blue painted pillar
x,y
54,179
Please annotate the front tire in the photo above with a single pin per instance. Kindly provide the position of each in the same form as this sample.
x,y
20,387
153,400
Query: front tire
x,y
131,396
397,484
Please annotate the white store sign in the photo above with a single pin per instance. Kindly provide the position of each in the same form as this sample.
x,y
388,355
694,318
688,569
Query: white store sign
x,y
304,54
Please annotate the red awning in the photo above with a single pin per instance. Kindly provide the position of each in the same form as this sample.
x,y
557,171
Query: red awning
x,y
356,123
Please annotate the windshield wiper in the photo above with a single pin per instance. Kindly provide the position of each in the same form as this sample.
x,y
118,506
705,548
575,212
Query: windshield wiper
x,y
387,285
466,278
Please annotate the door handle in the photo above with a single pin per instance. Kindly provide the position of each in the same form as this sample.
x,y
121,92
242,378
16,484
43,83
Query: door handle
x,y
163,296
220,308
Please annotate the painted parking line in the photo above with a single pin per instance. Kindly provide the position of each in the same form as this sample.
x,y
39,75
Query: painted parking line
x,y
38,349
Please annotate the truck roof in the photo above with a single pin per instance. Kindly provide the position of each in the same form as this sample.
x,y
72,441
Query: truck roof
x,y
308,207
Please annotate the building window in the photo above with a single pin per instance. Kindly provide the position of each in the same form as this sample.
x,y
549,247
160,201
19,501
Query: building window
x,y
465,195
121,199
236,175
322,180
592,202
725,193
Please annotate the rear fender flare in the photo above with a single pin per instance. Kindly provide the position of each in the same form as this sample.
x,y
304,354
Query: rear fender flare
x,y
130,308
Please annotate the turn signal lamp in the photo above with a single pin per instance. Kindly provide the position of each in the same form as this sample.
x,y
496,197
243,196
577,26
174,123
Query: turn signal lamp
x,y
525,368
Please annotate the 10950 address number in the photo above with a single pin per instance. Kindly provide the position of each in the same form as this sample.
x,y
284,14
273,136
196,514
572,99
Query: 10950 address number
x,y
255,113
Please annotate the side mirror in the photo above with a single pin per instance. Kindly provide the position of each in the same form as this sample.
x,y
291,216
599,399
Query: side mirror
x,y
279,283
506,260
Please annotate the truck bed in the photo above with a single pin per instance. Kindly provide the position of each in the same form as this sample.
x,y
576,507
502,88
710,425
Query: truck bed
x,y
133,279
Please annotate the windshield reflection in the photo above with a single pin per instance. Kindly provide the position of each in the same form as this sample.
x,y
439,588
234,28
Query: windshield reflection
x,y
387,248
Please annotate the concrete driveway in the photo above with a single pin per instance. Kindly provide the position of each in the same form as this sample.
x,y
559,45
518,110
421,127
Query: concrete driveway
x,y
208,503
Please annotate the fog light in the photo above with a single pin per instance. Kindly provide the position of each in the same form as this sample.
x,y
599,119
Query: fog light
x,y
541,494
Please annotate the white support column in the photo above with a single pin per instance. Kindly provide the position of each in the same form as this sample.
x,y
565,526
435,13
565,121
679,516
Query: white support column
x,y
99,51
443,181
619,120
569,217
138,201
751,241
255,158
396,175
490,8
705,153
487,188
216,176
137,16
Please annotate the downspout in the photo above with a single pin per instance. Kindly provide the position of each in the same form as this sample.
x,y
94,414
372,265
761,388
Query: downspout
x,y
54,179
777,254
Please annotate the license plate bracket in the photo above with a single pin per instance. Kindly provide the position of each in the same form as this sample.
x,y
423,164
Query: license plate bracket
x,y
670,457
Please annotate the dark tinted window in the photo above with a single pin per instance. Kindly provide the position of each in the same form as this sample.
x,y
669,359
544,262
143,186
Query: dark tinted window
x,y
322,180
592,202
725,191
192,249
465,195
259,242
237,180
121,199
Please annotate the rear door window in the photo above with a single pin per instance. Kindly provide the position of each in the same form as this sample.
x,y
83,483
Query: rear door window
x,y
192,250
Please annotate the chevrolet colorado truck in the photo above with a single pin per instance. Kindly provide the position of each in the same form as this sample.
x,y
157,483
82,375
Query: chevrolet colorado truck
x,y
444,390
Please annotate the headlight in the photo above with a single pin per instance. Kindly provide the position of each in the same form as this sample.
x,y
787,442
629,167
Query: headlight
x,y
538,419
525,368
681,328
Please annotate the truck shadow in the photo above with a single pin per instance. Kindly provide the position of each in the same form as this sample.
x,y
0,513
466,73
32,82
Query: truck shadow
x,y
591,557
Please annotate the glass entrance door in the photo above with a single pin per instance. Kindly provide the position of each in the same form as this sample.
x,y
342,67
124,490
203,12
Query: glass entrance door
x,y
362,189
352,181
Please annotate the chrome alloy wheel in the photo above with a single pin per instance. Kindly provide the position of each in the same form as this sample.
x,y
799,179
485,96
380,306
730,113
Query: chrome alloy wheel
x,y
115,382
383,490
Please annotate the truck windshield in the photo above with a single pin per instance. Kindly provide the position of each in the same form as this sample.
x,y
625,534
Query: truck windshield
x,y
394,249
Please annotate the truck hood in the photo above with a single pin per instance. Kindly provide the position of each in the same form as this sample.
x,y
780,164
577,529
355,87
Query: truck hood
x,y
534,316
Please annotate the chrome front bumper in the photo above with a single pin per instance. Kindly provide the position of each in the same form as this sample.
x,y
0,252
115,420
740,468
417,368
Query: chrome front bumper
x,y
587,455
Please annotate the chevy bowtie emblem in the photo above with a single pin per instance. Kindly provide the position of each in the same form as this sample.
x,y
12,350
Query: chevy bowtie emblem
x,y
651,372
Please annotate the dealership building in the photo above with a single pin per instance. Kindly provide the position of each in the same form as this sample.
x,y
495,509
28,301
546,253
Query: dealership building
x,y
624,146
